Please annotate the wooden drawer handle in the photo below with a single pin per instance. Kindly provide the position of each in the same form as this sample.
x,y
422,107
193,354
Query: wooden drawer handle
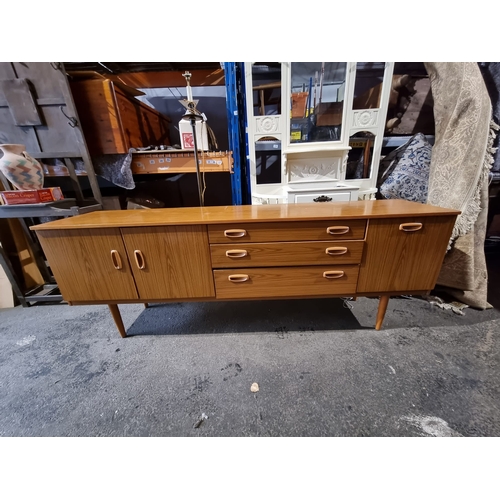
x,y
337,229
410,226
336,250
139,259
116,259
237,254
235,233
238,278
333,274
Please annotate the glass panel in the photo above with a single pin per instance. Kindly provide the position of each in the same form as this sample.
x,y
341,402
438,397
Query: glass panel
x,y
268,160
316,101
266,85
368,86
359,160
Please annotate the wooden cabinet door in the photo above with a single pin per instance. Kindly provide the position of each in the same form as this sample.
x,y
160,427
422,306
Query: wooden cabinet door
x,y
89,264
170,262
404,254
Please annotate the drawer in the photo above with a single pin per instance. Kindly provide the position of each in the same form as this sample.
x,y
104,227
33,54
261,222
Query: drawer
x,y
308,253
307,281
340,229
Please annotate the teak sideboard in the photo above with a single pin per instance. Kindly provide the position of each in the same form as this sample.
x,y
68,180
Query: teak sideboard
x,y
250,252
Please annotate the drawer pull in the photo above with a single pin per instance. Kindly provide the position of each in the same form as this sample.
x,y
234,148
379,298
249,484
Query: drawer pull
x,y
116,259
410,226
336,250
238,278
235,233
337,229
333,274
237,254
139,259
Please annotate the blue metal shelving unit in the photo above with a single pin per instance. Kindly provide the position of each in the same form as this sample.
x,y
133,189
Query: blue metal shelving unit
x,y
236,121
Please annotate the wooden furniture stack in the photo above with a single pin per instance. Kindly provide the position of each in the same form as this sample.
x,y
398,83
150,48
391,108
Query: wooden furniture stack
x,y
113,120
358,248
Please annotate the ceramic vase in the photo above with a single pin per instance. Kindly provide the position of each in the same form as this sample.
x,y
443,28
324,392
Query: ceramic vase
x,y
19,168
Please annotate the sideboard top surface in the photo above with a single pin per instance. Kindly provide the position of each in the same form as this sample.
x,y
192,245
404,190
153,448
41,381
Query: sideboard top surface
x,y
372,209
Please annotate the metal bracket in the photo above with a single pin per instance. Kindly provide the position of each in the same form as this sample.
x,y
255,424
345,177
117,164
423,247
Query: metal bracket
x,y
72,120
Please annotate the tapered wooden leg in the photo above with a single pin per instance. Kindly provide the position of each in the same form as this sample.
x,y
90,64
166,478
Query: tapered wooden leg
x,y
146,305
118,319
382,307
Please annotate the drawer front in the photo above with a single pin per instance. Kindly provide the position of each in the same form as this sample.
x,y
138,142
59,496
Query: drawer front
x,y
254,283
309,253
288,231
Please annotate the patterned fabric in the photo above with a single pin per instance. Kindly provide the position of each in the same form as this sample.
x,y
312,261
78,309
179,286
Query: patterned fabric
x,y
461,160
409,178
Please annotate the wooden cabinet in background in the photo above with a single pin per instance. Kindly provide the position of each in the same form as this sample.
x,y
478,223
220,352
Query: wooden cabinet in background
x,y
113,120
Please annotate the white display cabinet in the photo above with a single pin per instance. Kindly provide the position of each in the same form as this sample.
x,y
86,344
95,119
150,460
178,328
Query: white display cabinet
x,y
315,129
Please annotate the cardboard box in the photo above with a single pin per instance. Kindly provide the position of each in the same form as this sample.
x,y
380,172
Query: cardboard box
x,y
329,114
30,196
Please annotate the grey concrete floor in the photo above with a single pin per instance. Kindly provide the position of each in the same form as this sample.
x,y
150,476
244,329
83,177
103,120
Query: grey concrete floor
x,y
321,368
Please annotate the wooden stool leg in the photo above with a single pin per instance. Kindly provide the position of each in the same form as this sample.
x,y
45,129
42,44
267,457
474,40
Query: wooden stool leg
x,y
118,319
382,307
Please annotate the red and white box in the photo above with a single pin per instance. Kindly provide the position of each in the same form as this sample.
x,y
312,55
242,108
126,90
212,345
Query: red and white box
x,y
31,196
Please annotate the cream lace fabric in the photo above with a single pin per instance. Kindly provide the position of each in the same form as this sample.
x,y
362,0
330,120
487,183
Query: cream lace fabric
x,y
461,159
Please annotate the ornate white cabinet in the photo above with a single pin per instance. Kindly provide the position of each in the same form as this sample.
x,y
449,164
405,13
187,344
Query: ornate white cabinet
x,y
315,129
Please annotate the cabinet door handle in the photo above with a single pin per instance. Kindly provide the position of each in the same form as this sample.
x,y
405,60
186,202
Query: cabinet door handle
x,y
116,259
139,259
238,278
410,226
333,274
236,253
337,229
235,233
336,250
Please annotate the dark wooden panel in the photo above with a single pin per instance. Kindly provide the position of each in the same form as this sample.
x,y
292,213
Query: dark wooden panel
x,y
57,134
46,80
22,106
11,134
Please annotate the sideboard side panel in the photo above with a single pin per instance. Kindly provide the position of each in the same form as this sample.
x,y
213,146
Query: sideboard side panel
x,y
398,261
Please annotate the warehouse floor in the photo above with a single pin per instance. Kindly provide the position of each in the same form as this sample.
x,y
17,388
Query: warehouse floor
x,y
187,369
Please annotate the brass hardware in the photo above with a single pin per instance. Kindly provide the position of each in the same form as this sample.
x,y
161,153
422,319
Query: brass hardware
x,y
238,278
336,250
235,233
116,259
236,253
337,229
410,226
139,257
333,274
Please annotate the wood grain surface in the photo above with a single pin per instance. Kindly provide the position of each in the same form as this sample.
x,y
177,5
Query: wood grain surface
x,y
84,267
398,260
249,213
175,260
305,281
308,253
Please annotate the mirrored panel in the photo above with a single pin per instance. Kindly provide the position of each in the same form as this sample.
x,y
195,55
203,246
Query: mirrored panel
x,y
368,86
317,101
359,160
266,87
268,160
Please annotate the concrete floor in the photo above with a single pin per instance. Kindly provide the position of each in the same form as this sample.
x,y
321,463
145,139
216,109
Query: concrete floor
x,y
321,368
